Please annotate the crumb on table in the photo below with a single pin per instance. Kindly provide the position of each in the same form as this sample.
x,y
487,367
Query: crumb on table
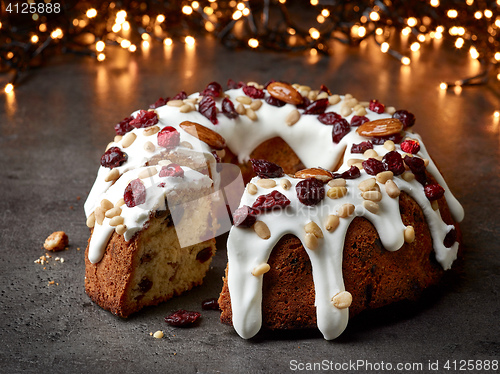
x,y
56,241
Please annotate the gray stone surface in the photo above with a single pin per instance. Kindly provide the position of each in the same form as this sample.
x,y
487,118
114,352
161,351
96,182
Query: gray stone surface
x,y
54,128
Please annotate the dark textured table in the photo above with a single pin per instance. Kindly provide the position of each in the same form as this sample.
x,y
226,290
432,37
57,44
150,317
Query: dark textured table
x,y
53,130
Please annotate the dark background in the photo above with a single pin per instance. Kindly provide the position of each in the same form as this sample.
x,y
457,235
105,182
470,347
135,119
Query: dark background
x,y
55,126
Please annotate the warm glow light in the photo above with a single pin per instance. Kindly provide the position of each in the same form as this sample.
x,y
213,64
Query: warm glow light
x,y
116,27
406,31
282,1
374,16
421,38
56,34
99,46
160,18
459,43
405,60
101,57
497,56
452,13
240,6
209,26
384,47
434,3
320,19
132,48
246,12
34,39
488,13
314,2
291,31
361,31
42,27
208,10
145,44
473,52
186,9
470,2
9,87
325,12
478,15
168,41
443,86
10,55
412,22
254,43
125,26
415,46
91,13
189,40
314,33
145,36
496,114
313,51
439,29
125,43
379,31
237,15
195,5
0,25
497,22
121,14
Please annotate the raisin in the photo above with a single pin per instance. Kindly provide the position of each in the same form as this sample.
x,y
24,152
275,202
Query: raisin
x,y
406,118
113,158
208,109
274,101
351,173
160,102
450,238
361,147
410,146
210,304
373,166
417,167
310,191
135,193
213,89
204,255
340,129
266,169
304,104
358,120
180,96
244,216
376,106
231,84
253,92
329,118
124,126
394,162
380,140
434,191
228,109
145,285
182,318
145,118
272,200
171,170
316,107
169,137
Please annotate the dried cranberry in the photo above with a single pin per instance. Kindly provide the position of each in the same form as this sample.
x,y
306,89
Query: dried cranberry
x,y
231,84
351,173
180,96
244,216
274,101
171,170
406,118
266,169
310,191
113,158
358,120
145,118
182,318
380,140
253,92
204,255
160,102
304,104
213,89
316,107
124,126
135,193
210,304
169,137
376,106
340,129
416,164
373,166
161,185
216,156
228,109
450,238
272,200
434,191
208,109
269,82
394,162
329,118
361,147
323,88
410,146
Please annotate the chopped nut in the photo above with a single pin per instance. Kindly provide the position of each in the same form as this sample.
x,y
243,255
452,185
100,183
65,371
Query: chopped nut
x,y
332,223
91,220
384,176
336,192
244,100
240,109
261,269
148,147
370,153
113,212
251,114
392,189
334,99
389,145
149,172
121,229
371,206
262,230
408,176
367,184
346,210
339,182
256,104
112,176
292,118
176,103
311,241
128,139
158,334
285,184
373,195
313,228
186,108
354,161
251,188
116,220
99,215
148,131
342,300
120,203
409,234
106,204
266,183
56,241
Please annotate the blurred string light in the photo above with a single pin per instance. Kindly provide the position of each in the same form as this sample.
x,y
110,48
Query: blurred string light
x,y
94,27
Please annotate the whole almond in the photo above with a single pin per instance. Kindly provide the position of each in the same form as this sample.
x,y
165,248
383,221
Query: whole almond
x,y
380,127
205,134
321,174
284,92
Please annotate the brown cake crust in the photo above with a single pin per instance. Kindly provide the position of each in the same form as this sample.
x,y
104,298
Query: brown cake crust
x,y
374,276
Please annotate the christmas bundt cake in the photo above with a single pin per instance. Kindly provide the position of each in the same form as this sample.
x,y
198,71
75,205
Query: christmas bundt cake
x,y
356,215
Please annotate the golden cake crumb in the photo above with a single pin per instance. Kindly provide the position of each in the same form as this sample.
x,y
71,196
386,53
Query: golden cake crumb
x,y
56,241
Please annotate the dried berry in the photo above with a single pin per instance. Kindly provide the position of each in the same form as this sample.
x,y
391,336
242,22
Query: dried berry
x,y
244,216
231,84
417,167
274,101
253,92
171,170
380,140
406,118
180,96
376,106
266,169
351,173
434,191
310,191
124,126
204,255
169,137
358,120
329,118
213,89
450,238
160,102
113,158
340,129
269,82
145,118
323,88
393,162
208,109
228,109
316,107
182,318
361,147
272,200
305,103
210,304
410,146
135,193
373,166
